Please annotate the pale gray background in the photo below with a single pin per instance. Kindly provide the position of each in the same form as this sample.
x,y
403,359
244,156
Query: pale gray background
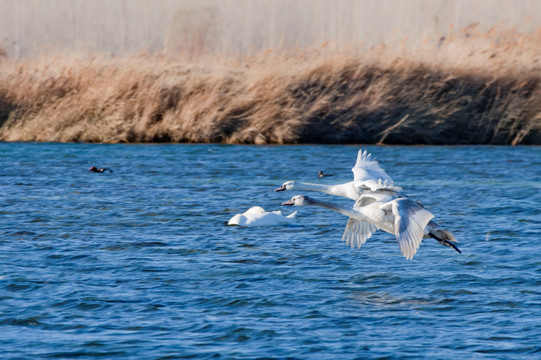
x,y
30,27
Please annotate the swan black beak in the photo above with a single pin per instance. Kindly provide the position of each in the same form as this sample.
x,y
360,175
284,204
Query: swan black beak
x,y
289,202
281,188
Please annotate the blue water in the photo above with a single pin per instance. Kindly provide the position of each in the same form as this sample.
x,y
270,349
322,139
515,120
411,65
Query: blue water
x,y
140,263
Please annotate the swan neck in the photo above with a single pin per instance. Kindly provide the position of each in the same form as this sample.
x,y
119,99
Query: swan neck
x,y
344,210
312,187
337,190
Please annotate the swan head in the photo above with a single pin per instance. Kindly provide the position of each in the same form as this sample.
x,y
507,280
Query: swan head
x,y
298,200
288,185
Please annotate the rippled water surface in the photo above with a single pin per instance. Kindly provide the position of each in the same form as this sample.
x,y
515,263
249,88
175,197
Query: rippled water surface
x,y
140,263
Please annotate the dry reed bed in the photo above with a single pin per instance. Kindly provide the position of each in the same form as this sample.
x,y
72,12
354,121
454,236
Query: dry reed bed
x,y
467,88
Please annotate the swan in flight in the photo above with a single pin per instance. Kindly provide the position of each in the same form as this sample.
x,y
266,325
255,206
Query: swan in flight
x,y
257,216
402,217
367,175
370,184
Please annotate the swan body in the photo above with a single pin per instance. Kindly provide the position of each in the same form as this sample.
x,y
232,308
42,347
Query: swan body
x,y
402,217
257,216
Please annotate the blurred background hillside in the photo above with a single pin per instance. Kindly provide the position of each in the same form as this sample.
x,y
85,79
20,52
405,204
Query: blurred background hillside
x,y
32,27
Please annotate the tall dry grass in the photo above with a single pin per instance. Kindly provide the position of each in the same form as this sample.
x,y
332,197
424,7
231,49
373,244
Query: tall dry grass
x,y
467,88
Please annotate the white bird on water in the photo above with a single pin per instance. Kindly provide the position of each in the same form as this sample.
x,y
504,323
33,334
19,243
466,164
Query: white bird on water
x,y
257,216
380,202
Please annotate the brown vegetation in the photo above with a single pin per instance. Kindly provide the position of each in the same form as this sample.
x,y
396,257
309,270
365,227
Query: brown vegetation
x,y
467,88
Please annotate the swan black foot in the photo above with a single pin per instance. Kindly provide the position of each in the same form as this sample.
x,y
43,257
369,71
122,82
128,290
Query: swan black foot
x,y
445,242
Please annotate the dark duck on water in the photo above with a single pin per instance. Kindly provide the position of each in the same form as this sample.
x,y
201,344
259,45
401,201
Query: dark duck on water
x,y
99,170
321,174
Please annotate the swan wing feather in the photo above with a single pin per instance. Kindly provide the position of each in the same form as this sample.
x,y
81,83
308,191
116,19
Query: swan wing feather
x,y
368,198
367,168
255,210
364,200
292,215
410,222
357,232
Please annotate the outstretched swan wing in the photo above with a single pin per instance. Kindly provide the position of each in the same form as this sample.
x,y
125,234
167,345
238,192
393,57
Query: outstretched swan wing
x,y
410,223
357,232
368,174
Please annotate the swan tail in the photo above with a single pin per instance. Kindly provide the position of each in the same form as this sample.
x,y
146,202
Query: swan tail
x,y
445,235
446,239
235,220
292,215
357,232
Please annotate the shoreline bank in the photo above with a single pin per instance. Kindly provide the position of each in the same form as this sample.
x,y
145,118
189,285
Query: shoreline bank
x,y
435,96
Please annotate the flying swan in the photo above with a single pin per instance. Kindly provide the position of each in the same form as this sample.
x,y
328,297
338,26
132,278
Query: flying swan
x,y
402,217
367,175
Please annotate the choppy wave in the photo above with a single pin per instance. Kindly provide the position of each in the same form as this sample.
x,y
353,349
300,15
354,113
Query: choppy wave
x,y
140,262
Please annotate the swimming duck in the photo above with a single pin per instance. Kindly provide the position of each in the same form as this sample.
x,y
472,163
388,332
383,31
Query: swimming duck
x,y
320,173
99,170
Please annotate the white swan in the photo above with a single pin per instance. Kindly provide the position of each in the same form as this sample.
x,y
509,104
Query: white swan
x,y
402,217
257,216
367,175
370,184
